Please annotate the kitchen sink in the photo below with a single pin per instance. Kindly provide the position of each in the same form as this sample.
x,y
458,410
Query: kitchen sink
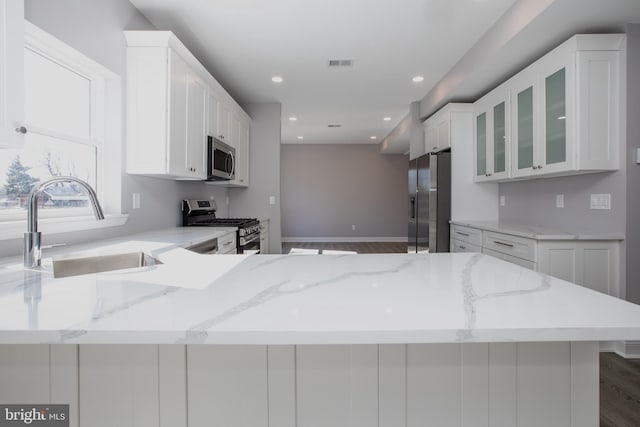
x,y
66,267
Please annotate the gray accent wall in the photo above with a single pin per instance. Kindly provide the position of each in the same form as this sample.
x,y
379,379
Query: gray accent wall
x,y
328,188
264,171
95,29
632,242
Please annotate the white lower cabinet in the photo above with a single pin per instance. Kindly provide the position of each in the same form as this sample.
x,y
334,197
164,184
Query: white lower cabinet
x,y
591,263
227,244
390,385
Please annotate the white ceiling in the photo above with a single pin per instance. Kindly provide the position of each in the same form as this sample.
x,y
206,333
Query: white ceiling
x,y
244,43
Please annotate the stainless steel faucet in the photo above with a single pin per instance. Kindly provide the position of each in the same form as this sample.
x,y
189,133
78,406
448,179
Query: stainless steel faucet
x,y
32,249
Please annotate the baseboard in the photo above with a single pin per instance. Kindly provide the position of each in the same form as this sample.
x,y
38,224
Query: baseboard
x,y
626,349
344,239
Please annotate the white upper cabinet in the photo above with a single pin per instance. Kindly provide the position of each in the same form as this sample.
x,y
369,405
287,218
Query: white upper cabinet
x,y
166,115
11,74
491,133
173,104
437,130
563,116
242,154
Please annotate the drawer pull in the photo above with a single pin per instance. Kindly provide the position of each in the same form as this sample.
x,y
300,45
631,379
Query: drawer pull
x,y
228,243
503,244
463,247
462,234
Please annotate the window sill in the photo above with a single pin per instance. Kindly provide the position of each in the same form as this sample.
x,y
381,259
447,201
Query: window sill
x,y
16,229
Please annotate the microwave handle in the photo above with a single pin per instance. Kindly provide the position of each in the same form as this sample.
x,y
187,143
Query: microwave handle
x,y
233,163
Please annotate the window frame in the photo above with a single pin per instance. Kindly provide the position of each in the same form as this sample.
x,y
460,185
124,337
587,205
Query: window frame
x,y
106,136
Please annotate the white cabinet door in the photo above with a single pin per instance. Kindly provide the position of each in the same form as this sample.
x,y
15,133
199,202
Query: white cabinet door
x,y
524,116
592,264
443,131
180,74
196,128
212,116
224,122
557,112
242,155
11,73
430,137
492,162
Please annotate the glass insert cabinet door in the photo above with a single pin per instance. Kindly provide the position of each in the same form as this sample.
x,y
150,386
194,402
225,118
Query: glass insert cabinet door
x,y
481,144
499,138
555,118
524,134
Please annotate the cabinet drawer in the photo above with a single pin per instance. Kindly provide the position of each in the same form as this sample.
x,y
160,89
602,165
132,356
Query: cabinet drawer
x,y
512,259
227,243
466,234
462,246
508,244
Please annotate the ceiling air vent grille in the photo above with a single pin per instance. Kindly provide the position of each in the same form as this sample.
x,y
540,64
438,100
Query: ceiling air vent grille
x,y
340,63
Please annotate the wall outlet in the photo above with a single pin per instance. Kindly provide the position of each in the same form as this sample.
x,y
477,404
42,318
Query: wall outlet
x,y
353,227
503,200
272,200
559,200
136,201
600,201
227,200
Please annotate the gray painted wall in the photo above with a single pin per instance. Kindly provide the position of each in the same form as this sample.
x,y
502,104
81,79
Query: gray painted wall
x,y
328,188
533,202
95,29
264,172
633,170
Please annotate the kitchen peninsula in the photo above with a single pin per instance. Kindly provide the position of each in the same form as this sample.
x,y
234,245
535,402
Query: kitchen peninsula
x,y
465,339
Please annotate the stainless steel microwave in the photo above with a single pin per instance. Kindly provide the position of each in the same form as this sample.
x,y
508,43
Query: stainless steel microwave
x,y
221,160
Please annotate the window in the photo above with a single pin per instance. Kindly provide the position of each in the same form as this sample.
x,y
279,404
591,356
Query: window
x,y
66,113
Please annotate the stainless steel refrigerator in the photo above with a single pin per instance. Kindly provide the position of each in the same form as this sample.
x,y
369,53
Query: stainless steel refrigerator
x,y
429,202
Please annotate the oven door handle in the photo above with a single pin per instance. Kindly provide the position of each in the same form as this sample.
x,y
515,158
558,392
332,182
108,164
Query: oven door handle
x,y
252,240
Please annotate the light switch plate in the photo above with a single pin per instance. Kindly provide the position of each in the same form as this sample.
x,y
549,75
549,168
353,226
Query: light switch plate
x,y
503,200
559,200
600,201
272,200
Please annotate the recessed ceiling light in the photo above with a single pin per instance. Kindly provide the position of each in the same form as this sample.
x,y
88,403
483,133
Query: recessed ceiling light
x,y
334,125
373,137
301,137
277,79
417,79
387,119
293,119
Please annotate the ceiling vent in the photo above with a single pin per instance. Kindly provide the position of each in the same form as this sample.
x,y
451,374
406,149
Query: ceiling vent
x,y
334,126
340,63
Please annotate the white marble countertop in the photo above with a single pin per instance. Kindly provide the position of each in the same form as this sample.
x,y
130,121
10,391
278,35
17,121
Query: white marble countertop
x,y
303,299
533,232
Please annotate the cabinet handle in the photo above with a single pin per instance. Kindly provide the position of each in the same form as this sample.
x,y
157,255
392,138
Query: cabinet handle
x,y
539,166
21,129
463,247
435,148
487,174
228,243
503,244
462,234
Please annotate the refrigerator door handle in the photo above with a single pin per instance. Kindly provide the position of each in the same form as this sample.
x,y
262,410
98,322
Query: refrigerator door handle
x,y
412,207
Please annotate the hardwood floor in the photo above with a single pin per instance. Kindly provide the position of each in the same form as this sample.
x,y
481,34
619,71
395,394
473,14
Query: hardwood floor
x,y
358,247
619,391
619,377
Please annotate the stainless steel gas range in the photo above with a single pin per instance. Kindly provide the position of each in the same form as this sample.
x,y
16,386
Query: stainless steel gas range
x,y
202,213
